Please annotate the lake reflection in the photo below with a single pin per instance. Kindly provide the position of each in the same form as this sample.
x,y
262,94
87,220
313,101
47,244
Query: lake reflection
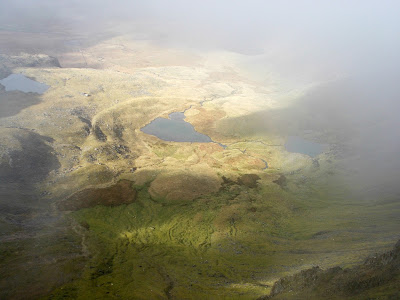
x,y
18,82
299,145
175,129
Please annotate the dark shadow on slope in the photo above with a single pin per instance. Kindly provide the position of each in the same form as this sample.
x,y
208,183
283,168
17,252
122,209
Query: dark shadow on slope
x,y
11,103
32,162
38,248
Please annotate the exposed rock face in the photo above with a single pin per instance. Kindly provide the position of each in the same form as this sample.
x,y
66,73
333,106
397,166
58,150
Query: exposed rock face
x,y
377,276
119,193
7,62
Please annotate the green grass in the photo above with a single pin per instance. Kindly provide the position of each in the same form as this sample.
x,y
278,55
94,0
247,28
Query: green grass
x,y
199,248
231,244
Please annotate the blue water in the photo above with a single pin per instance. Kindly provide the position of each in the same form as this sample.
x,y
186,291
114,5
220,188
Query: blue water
x,y
175,129
266,164
18,82
299,145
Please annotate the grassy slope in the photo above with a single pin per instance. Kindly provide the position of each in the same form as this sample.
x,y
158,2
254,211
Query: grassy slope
x,y
232,243
203,248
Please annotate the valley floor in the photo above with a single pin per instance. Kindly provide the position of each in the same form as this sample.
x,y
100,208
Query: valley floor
x,y
93,208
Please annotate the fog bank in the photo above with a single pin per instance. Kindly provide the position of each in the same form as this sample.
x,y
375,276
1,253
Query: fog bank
x,y
352,44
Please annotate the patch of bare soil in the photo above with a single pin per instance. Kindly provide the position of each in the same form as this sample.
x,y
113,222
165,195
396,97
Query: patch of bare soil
x,y
184,186
117,194
249,180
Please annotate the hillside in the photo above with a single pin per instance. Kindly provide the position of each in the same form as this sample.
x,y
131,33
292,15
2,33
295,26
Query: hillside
x,y
94,208
377,278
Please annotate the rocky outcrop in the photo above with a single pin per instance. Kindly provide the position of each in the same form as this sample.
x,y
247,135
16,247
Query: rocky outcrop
x,y
9,62
377,276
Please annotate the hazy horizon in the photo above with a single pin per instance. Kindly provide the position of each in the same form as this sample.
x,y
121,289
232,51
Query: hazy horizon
x,y
350,50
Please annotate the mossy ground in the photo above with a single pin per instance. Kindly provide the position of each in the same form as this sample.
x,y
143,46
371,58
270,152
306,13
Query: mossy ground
x,y
232,244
